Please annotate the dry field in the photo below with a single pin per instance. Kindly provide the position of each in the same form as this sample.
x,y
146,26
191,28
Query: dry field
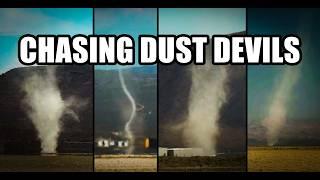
x,y
274,159
33,163
126,163
227,163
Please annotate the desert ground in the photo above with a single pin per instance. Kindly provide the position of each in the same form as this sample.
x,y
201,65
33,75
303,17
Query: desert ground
x,y
32,163
217,164
277,159
126,163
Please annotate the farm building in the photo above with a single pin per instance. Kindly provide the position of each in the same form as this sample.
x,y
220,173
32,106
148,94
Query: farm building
x,y
117,144
162,151
180,152
106,143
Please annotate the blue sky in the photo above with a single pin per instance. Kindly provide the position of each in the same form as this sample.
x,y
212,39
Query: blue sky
x,y
201,21
16,22
131,21
304,101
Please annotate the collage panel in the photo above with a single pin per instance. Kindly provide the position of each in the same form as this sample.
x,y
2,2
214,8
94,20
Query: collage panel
x,y
202,108
126,99
46,112
111,117
283,100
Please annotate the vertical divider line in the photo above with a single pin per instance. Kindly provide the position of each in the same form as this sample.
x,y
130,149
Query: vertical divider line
x,y
157,98
93,99
247,152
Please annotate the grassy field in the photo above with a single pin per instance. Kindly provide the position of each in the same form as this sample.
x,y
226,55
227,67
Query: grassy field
x,y
274,159
126,163
32,163
189,164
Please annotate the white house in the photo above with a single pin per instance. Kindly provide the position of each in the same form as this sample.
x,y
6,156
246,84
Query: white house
x,y
180,152
106,143
162,151
103,143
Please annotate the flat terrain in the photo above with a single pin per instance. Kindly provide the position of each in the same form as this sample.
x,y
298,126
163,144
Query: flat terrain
x,y
126,163
31,163
284,159
217,164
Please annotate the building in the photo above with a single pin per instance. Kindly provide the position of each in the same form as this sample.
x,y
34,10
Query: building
x,y
118,144
123,143
110,143
103,143
162,151
180,152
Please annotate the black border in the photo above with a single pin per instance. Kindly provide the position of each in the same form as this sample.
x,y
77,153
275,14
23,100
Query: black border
x,y
121,3
157,3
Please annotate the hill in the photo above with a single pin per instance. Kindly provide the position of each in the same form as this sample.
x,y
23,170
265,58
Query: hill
x,y
17,133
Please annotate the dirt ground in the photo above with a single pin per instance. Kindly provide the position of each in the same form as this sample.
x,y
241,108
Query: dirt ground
x,y
35,163
126,163
228,163
284,159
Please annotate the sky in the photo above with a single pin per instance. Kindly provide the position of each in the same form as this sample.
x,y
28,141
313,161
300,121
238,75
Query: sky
x,y
304,101
17,22
201,21
131,21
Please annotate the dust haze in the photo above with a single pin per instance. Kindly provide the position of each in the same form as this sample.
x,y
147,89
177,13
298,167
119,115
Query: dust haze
x,y
45,107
